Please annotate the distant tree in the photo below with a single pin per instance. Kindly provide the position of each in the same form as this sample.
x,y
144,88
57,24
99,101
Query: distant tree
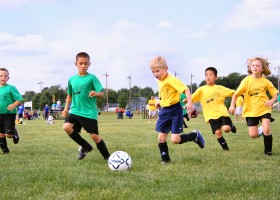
x,y
123,97
146,92
28,95
112,96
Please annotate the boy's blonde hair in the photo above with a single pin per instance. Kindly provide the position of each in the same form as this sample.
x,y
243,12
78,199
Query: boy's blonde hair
x,y
265,64
158,62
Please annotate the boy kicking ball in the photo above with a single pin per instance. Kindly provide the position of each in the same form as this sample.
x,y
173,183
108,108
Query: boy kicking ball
x,y
171,112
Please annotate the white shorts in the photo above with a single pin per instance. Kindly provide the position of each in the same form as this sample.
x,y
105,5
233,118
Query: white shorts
x,y
238,110
152,113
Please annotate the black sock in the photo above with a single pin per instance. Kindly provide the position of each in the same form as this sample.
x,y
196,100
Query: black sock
x,y
223,143
185,125
188,137
79,140
163,148
267,139
3,144
101,146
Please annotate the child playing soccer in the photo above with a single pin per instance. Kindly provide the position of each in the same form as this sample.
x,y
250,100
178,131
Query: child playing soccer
x,y
10,98
83,89
212,98
171,113
257,105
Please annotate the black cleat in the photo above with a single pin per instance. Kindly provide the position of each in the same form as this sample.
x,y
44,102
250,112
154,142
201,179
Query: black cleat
x,y
83,152
233,128
5,151
16,137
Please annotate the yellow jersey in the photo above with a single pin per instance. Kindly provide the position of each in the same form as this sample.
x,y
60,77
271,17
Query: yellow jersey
x,y
254,90
212,99
169,90
152,104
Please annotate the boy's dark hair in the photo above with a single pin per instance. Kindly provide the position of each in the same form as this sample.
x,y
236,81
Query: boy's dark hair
x,y
213,69
82,55
3,69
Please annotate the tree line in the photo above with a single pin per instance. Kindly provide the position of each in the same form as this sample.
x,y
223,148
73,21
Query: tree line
x,y
49,95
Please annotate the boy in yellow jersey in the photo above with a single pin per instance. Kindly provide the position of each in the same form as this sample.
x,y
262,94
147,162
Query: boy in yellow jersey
x,y
257,105
152,109
171,114
212,98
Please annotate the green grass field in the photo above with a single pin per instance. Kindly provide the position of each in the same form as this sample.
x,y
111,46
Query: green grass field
x,y
44,165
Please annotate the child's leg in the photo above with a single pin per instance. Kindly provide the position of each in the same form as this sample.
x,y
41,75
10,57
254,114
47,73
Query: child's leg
x,y
3,144
221,139
101,146
74,134
267,137
163,147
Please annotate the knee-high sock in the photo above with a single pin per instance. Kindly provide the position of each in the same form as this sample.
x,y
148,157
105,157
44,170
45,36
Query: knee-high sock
x,y
79,140
267,139
163,148
223,143
101,146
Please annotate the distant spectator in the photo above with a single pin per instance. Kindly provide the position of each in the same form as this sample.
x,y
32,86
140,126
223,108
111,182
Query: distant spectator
x,y
46,111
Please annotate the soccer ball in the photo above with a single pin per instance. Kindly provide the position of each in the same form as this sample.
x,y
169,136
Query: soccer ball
x,y
120,161
194,113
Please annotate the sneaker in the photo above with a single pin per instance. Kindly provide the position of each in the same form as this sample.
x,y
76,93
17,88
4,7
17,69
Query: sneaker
x,y
83,152
165,162
268,154
5,151
16,137
260,130
199,139
233,128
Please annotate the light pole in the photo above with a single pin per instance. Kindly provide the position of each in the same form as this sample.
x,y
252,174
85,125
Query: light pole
x,y
107,105
176,74
41,83
191,82
278,83
129,78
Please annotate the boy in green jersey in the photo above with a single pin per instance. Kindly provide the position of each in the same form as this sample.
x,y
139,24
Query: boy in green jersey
x,y
83,90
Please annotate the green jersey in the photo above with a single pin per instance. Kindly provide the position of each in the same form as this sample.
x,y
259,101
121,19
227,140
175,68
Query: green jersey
x,y
79,88
8,95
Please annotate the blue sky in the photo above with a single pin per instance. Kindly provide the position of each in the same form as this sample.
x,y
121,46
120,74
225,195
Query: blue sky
x,y
39,39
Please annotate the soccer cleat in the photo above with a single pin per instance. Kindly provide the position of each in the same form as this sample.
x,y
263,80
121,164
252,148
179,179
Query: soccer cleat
x,y
199,139
83,152
16,137
268,154
165,162
233,128
5,151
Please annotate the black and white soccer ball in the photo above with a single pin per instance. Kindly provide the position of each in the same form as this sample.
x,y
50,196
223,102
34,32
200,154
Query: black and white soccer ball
x,y
120,161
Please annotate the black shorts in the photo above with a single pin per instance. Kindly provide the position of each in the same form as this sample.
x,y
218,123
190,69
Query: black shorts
x,y
254,121
20,115
217,124
90,125
7,123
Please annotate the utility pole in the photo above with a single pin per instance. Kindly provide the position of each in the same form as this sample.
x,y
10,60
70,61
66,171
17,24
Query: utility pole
x,y
40,83
176,74
191,82
278,76
129,77
107,105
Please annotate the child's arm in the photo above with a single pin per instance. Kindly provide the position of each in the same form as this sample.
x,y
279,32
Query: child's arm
x,y
232,105
67,104
189,99
270,102
13,105
96,94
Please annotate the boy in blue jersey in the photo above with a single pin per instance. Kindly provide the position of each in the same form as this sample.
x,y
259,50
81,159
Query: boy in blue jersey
x,y
10,98
170,116
83,90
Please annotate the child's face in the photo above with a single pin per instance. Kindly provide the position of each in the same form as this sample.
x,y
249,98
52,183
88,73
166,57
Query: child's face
x,y
83,64
256,67
210,77
159,73
4,77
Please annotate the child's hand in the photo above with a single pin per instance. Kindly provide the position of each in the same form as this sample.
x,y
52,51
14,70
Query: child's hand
x,y
10,107
64,113
231,109
92,94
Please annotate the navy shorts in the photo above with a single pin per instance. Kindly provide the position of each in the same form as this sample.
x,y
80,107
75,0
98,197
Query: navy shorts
x,y
217,124
7,123
90,125
170,119
254,121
